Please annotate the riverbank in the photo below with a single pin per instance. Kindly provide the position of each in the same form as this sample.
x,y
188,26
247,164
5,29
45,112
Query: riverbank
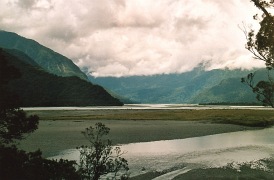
x,y
60,130
247,116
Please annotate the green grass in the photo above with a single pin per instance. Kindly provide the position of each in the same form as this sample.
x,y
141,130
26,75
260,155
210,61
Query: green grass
x,y
246,117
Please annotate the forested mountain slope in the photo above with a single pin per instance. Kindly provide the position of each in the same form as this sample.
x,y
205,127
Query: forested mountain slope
x,y
36,87
49,60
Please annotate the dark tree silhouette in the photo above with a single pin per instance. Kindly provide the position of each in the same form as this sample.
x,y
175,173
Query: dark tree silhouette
x,y
261,45
14,122
17,164
100,157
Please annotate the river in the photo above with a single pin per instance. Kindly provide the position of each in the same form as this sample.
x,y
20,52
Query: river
x,y
185,154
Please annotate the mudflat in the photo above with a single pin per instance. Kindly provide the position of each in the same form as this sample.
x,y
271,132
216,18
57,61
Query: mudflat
x,y
61,129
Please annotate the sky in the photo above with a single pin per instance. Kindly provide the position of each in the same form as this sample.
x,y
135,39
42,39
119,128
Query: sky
x,y
137,37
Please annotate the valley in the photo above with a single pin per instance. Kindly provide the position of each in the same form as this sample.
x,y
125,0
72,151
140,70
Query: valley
x,y
161,108
196,86
136,90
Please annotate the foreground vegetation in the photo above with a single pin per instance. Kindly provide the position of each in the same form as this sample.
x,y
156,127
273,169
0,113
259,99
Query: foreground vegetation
x,y
260,44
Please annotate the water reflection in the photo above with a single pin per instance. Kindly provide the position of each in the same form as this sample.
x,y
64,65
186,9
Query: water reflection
x,y
209,151
220,141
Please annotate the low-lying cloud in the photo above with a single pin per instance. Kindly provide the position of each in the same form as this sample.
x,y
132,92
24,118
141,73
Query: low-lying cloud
x,y
136,37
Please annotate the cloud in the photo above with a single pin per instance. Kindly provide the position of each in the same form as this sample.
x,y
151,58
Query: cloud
x,y
136,37
27,4
32,4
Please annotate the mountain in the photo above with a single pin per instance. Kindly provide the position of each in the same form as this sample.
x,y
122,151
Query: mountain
x,y
231,90
37,87
167,88
49,60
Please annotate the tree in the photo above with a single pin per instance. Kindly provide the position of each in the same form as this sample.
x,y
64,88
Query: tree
x,y
14,122
261,45
100,157
17,164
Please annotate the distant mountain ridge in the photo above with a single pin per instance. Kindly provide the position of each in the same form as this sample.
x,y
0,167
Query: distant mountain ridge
x,y
49,60
187,87
37,87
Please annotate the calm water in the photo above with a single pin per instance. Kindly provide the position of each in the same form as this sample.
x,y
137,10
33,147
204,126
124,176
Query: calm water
x,y
185,154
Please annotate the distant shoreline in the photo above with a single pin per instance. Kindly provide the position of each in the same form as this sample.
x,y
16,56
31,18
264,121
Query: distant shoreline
x,y
152,107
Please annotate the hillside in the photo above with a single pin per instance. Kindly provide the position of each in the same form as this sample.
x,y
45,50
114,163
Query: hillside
x,y
228,91
36,87
167,88
49,60
231,90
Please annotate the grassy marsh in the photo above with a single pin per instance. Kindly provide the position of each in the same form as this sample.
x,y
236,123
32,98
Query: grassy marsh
x,y
246,117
